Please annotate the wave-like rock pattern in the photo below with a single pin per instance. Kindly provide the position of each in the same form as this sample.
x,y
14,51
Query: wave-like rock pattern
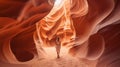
x,y
97,31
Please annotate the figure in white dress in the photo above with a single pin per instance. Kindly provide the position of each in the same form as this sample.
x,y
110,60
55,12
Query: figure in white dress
x,y
58,47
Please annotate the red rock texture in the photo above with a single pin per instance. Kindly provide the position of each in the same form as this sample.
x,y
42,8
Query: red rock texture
x,y
98,32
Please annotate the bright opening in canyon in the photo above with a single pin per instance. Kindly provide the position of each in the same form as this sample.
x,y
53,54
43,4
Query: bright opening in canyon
x,y
57,24
59,33
58,2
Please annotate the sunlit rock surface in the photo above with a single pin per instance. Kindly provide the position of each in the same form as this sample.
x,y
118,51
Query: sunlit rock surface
x,y
93,38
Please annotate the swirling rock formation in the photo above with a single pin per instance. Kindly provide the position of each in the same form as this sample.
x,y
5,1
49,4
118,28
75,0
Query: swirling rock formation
x,y
95,25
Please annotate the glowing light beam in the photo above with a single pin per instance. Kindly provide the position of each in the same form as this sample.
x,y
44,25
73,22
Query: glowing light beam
x,y
58,2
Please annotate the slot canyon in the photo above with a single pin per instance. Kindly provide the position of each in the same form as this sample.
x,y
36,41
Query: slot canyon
x,y
59,33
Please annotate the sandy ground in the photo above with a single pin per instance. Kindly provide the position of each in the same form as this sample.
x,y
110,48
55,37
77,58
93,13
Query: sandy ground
x,y
51,60
66,61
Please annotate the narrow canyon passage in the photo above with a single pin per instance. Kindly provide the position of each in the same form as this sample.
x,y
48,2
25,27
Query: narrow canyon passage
x,y
59,33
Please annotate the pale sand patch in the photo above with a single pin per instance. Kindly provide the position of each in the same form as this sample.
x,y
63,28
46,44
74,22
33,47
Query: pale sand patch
x,y
66,61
